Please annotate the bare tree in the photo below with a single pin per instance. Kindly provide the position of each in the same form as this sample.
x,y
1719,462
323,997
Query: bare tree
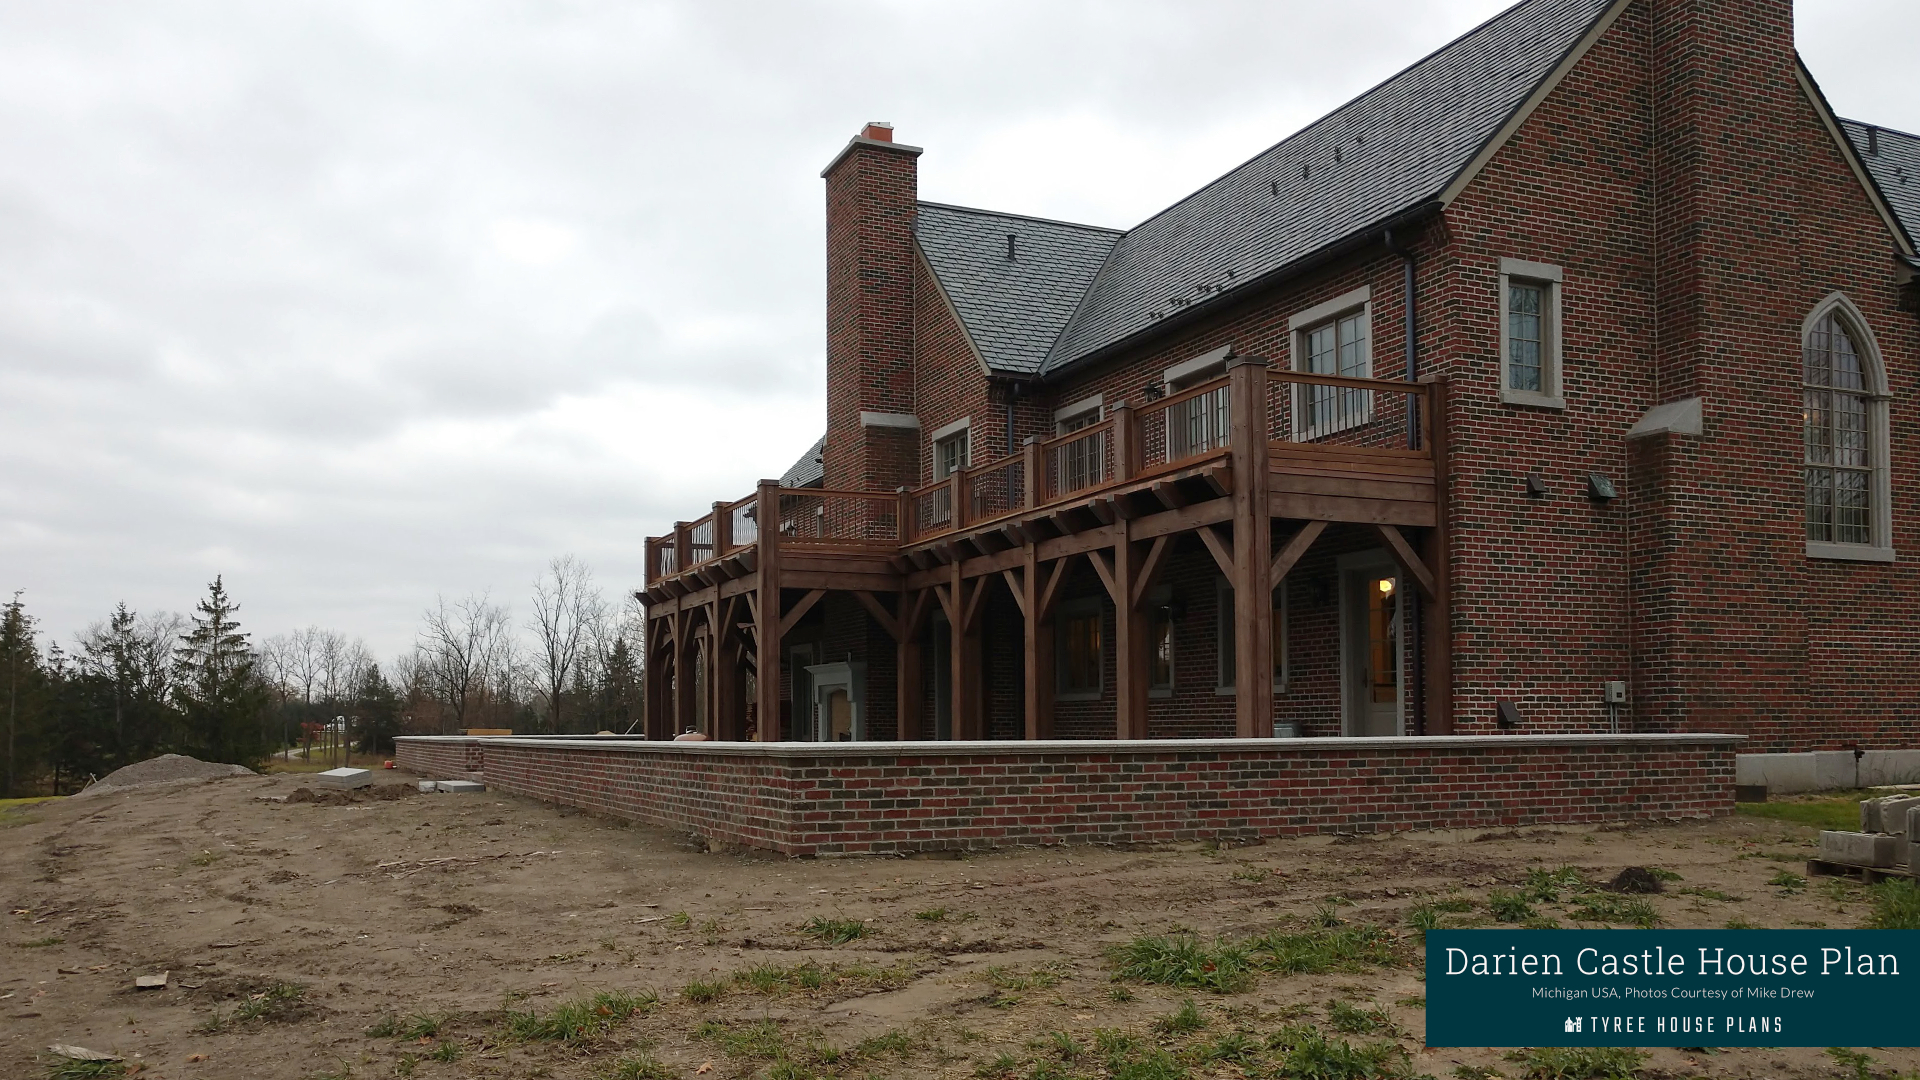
x,y
462,649
568,617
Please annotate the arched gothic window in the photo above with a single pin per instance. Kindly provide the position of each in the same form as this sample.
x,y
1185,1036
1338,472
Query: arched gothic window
x,y
1846,440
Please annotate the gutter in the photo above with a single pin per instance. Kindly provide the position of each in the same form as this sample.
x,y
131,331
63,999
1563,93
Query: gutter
x,y
1358,240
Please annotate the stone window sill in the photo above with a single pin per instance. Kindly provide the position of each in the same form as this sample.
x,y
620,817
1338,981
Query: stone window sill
x,y
1529,397
1848,552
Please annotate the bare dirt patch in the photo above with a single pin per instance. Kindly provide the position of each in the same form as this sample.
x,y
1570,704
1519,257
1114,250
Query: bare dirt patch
x,y
386,933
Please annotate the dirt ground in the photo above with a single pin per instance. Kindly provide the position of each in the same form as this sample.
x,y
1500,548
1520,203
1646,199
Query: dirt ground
x,y
441,936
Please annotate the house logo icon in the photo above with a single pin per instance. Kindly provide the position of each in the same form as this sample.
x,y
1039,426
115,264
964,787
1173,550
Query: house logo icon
x,y
1573,1025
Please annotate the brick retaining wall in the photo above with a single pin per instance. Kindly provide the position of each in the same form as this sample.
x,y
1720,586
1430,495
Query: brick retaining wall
x,y
884,798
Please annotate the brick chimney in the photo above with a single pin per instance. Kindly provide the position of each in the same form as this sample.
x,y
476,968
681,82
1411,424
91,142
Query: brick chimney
x,y
872,439
1722,489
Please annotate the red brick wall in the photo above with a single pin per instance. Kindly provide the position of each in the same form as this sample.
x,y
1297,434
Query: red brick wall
x,y
872,800
871,195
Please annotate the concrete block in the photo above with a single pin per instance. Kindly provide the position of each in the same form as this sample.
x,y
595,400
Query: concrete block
x,y
346,778
460,787
1895,811
1858,849
428,787
1884,768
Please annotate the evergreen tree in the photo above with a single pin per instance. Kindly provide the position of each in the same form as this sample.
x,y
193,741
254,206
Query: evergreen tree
x,y
132,658
22,695
221,693
376,704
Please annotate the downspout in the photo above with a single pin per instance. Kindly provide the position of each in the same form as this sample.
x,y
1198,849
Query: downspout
x,y
1414,618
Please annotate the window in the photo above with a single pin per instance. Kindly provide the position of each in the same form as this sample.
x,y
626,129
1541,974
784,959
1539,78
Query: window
x,y
1846,437
950,455
1530,334
1199,424
1079,463
1333,338
1079,647
1224,638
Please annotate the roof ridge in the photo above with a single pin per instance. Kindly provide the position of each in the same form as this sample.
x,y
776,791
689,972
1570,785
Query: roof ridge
x,y
1023,217
1881,128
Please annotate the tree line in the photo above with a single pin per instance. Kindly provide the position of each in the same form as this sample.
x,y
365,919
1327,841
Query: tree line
x,y
135,685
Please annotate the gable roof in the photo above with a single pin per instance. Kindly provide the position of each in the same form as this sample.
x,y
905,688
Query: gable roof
x,y
810,470
1892,158
1383,154
1011,305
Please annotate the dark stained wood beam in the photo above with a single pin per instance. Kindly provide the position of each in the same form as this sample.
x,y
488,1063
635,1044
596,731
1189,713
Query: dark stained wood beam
x,y
1410,561
881,615
1169,494
799,611
1217,548
1289,555
1103,566
1051,590
1150,567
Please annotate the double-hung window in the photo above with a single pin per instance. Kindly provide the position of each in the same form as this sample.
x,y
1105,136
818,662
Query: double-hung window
x,y
1334,338
1530,334
1079,463
950,454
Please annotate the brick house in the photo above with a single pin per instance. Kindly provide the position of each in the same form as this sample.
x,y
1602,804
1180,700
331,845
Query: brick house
x,y
1558,384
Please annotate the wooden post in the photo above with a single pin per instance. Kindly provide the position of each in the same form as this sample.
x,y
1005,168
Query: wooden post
x,y
1126,456
656,700
904,527
650,560
682,546
965,658
907,667
957,491
1037,666
1129,642
766,622
1035,483
722,528
1252,548
1437,638
684,654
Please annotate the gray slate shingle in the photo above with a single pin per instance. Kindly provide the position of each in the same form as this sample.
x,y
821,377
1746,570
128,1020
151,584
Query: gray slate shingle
x,y
1013,308
1896,168
1398,146
808,471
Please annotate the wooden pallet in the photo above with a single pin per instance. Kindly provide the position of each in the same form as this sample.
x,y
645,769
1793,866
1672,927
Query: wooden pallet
x,y
1871,875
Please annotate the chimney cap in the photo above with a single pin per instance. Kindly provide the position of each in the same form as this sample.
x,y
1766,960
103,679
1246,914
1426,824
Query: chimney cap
x,y
878,131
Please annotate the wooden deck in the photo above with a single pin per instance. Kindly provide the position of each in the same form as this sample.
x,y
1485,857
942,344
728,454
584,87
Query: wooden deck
x,y
1115,492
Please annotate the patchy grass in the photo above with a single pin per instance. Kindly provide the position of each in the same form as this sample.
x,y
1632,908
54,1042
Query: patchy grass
x,y
1351,1020
1509,907
69,1069
279,1002
1856,1062
1614,908
1788,881
1579,1062
639,1067
41,943
417,1026
582,1019
1546,886
702,993
1742,924
835,931
938,914
1896,906
1186,962
1318,952
1814,813
1712,894
1304,1053
1184,1021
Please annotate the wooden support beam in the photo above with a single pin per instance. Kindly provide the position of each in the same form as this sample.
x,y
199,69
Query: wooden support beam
x,y
1103,509
1150,568
1217,547
1289,555
1437,628
1409,561
970,615
1169,494
1050,592
914,612
792,618
1252,548
1103,566
880,614
1016,586
1037,641
1220,479
909,665
1130,642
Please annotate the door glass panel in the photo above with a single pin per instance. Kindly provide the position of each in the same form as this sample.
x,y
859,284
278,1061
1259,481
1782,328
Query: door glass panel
x,y
1383,641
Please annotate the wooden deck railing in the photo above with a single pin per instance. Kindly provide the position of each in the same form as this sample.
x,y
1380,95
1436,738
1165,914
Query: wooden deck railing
x,y
1169,434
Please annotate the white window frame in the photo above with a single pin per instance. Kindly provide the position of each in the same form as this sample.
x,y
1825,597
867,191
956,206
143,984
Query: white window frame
x,y
1079,609
1880,483
1077,411
1550,279
1306,322
961,429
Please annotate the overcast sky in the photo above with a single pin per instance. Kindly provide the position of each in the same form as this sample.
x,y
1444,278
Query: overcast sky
x,y
360,302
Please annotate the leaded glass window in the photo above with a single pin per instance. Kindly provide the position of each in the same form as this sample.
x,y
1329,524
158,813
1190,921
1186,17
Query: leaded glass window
x,y
1839,444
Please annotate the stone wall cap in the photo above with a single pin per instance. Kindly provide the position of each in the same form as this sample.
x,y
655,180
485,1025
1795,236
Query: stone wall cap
x,y
1124,747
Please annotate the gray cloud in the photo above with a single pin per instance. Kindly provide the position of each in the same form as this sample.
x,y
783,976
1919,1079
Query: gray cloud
x,y
360,302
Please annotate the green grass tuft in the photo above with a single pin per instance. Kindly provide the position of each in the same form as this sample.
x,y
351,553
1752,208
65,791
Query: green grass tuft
x,y
1509,907
938,914
1356,1021
1896,906
1318,952
41,943
1184,1021
1788,881
640,1067
1818,813
69,1069
701,993
1614,908
1546,886
582,1019
836,931
1578,1062
1185,962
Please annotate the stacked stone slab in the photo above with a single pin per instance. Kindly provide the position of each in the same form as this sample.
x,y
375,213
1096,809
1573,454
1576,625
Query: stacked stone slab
x,y
1888,827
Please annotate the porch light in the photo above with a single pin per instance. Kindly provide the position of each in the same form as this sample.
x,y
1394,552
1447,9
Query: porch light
x,y
1386,586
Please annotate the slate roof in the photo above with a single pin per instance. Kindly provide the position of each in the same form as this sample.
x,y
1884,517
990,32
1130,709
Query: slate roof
x,y
1012,306
1388,151
809,470
1896,168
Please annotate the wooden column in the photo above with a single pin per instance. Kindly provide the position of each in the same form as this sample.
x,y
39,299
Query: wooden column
x,y
1037,640
1126,447
962,605
909,666
656,699
1129,642
766,610
1437,636
682,546
685,657
1036,482
1252,548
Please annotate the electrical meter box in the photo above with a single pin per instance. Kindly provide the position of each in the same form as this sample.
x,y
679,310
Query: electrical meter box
x,y
1616,693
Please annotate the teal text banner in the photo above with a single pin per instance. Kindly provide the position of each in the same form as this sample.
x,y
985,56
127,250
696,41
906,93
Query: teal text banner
x,y
1672,987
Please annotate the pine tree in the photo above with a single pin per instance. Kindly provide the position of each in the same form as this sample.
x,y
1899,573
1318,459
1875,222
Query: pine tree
x,y
22,682
218,686
376,706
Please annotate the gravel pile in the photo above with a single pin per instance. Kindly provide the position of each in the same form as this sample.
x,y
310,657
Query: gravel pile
x,y
165,769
